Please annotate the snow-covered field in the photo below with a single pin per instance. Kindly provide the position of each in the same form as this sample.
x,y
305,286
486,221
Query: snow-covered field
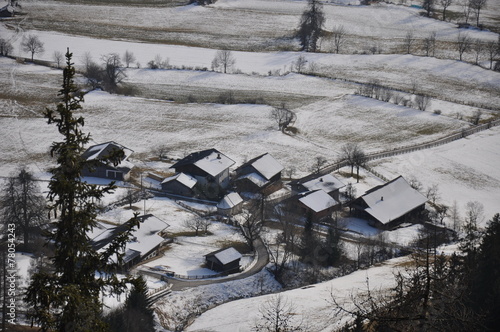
x,y
465,170
329,114
312,305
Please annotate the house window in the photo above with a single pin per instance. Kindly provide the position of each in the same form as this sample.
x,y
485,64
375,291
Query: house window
x,y
114,174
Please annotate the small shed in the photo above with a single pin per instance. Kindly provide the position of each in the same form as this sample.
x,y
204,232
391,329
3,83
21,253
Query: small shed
x,y
179,184
230,205
224,260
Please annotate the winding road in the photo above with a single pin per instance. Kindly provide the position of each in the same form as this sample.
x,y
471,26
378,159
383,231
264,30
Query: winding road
x,y
181,284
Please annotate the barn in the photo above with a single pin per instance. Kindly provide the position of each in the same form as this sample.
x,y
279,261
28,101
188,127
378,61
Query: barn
x,y
391,204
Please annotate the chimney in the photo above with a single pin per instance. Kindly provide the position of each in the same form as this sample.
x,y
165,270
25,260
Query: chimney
x,y
321,180
218,156
382,198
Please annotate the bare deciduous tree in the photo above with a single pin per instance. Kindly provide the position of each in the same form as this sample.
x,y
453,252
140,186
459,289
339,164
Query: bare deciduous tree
x,y
432,193
278,314
408,41
493,50
477,6
445,4
251,223
414,183
57,56
32,44
113,72
359,159
478,47
161,151
422,102
197,224
476,117
300,64
466,10
430,44
347,154
223,59
338,36
319,162
463,44
128,58
282,116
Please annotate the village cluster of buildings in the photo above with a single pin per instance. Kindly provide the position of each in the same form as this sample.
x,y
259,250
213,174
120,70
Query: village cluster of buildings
x,y
208,174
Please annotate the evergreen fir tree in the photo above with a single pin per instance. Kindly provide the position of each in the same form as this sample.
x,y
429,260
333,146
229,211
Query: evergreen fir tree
x,y
68,298
311,26
485,285
136,314
332,247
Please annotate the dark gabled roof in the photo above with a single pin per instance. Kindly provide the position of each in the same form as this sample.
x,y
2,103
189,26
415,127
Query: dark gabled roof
x,y
96,152
194,157
210,161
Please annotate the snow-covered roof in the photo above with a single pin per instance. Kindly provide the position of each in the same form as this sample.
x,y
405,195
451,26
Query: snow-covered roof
x,y
318,200
255,178
266,165
102,150
185,179
392,200
327,183
226,256
229,201
143,240
211,161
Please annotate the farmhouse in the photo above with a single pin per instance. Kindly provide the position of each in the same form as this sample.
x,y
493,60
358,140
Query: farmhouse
x,y
224,260
328,183
96,153
230,205
317,204
209,167
391,204
258,173
179,184
144,244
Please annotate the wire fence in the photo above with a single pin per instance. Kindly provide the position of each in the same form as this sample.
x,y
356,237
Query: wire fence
x,y
413,148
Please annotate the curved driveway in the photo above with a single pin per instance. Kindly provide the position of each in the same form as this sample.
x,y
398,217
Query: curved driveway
x,y
262,260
